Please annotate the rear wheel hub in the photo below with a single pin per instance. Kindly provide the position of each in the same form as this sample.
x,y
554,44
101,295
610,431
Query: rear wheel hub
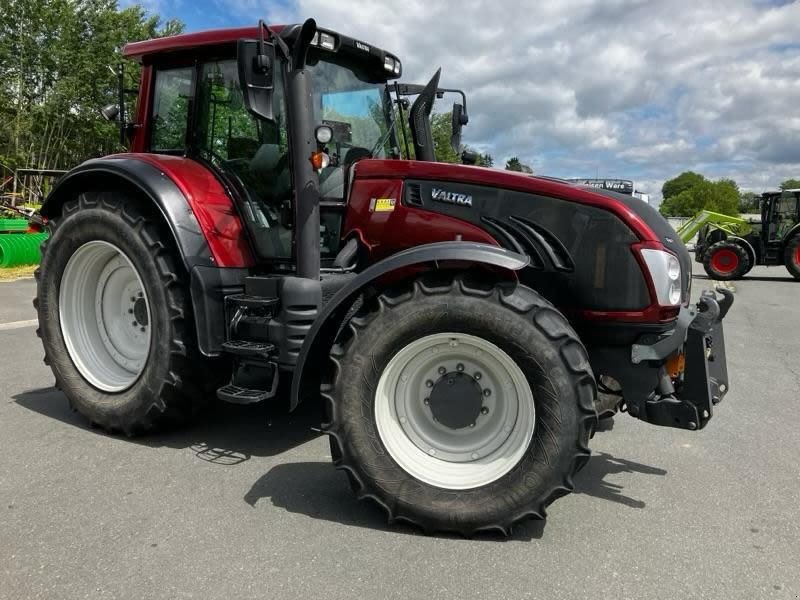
x,y
105,316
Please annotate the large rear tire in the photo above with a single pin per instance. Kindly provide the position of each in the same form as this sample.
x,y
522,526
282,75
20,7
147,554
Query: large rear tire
x,y
791,256
460,407
726,261
114,316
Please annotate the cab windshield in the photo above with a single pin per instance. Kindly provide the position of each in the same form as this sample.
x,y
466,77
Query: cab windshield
x,y
355,109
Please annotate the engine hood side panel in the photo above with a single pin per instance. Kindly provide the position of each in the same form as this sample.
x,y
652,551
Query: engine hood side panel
x,y
605,275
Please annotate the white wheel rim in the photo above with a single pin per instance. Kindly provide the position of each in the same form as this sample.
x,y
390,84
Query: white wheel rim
x,y
105,316
447,456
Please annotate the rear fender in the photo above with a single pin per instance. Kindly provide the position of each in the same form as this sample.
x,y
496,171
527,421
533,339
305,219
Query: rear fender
x,y
200,216
188,197
790,235
322,336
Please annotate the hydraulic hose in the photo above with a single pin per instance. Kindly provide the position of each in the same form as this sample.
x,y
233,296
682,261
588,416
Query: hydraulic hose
x,y
20,249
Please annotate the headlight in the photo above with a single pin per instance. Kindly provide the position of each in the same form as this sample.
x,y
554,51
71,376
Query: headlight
x,y
665,272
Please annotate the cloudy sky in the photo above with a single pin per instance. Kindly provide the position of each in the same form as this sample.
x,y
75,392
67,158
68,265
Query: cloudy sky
x,y
634,89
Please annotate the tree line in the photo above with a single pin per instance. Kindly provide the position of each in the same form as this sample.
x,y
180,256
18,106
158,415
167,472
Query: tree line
x,y
690,192
58,66
58,62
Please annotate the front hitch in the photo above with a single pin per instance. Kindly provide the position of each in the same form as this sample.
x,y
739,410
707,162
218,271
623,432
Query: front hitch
x,y
686,401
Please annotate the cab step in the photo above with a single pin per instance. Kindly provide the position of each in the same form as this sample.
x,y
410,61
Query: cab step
x,y
248,348
249,301
239,395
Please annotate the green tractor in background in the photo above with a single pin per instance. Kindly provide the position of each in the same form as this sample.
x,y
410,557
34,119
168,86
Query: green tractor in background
x,y
728,247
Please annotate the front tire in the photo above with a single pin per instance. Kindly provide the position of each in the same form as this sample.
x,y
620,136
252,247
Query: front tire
x,y
114,317
726,261
459,407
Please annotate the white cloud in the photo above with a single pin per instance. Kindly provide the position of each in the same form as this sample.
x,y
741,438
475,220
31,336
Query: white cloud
x,y
615,87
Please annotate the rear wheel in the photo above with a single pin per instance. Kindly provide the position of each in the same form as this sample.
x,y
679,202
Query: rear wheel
x,y
460,408
113,315
726,261
792,256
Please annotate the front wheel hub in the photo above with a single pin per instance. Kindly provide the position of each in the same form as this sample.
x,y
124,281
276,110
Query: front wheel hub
x,y
456,400
454,410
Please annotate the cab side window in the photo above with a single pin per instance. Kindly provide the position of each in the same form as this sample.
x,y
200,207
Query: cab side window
x,y
173,89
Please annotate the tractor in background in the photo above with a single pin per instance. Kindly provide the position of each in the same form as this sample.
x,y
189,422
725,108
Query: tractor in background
x,y
728,247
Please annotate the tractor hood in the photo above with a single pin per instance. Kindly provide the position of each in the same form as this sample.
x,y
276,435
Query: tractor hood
x,y
597,227
640,217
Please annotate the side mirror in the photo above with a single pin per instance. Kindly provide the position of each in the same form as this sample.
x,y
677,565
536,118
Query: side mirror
x,y
110,112
460,119
256,61
469,158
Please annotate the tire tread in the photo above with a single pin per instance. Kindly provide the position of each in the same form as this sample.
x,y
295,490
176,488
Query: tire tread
x,y
542,315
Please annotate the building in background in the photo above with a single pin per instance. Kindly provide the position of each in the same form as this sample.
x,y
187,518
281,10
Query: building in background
x,y
621,186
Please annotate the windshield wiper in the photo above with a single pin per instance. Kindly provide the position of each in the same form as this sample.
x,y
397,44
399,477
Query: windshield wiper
x,y
384,137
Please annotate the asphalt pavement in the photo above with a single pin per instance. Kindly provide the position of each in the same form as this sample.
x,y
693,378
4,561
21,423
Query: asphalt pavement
x,y
245,504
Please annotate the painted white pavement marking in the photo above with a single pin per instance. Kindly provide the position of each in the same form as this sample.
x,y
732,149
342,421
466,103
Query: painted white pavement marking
x,y
18,324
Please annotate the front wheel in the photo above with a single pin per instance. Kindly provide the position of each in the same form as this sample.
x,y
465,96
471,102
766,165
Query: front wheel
x,y
726,261
461,408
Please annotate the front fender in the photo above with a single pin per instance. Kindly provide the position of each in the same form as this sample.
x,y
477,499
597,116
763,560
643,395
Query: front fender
x,y
320,339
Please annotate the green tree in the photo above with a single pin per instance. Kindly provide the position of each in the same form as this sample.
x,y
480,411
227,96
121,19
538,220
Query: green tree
x,y
683,182
790,184
485,160
690,193
442,130
56,61
514,164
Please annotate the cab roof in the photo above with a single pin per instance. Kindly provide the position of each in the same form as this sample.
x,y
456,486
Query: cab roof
x,y
186,41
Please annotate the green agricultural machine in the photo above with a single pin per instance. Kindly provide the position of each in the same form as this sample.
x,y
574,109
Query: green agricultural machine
x,y
728,247
20,236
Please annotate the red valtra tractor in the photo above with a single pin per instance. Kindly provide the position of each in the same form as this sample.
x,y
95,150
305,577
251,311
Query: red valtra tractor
x,y
464,327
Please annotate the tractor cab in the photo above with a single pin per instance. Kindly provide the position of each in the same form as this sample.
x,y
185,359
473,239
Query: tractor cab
x,y
224,99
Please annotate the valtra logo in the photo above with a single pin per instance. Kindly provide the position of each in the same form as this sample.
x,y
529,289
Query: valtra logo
x,y
441,195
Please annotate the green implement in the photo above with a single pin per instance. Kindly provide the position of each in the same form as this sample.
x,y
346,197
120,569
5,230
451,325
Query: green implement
x,y
20,249
730,225
13,225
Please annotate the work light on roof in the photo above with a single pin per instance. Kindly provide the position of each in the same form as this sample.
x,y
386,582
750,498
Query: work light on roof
x,y
326,41
392,65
